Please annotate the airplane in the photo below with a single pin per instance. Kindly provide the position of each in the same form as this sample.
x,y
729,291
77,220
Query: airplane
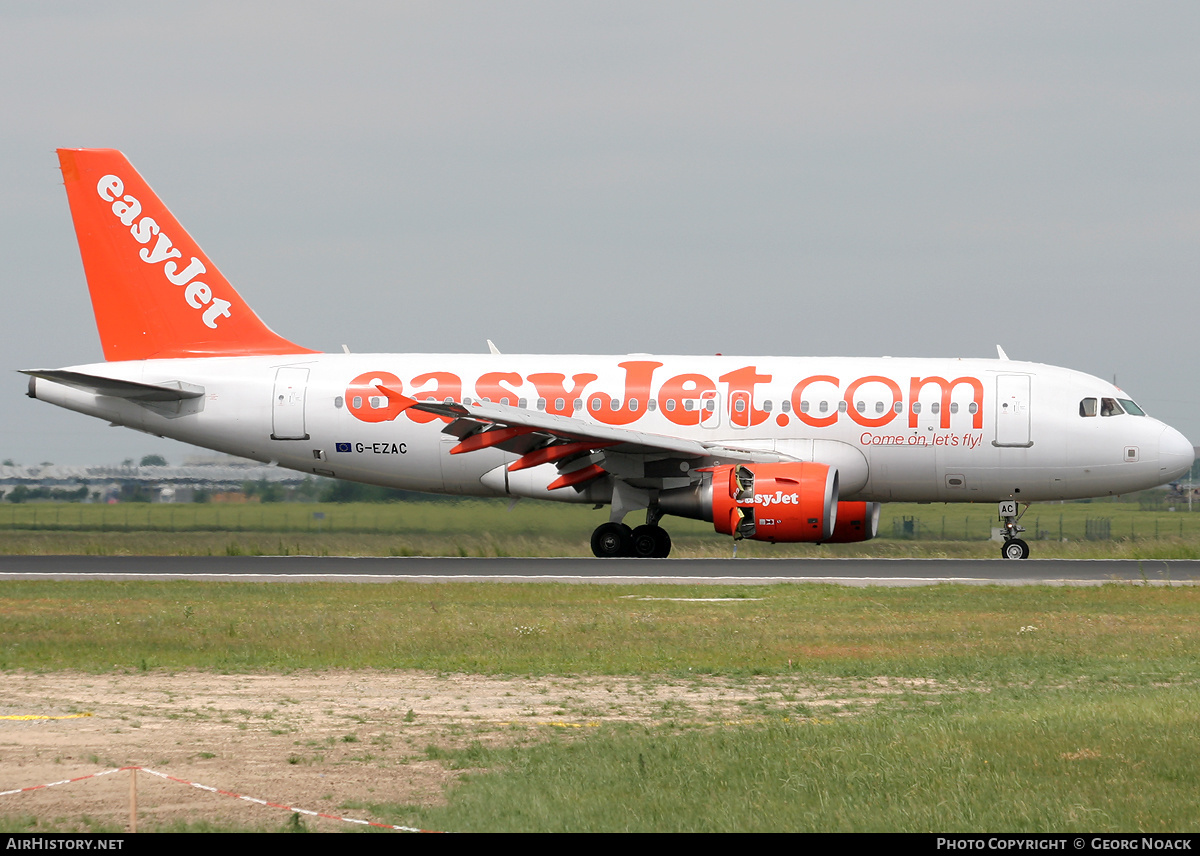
x,y
777,449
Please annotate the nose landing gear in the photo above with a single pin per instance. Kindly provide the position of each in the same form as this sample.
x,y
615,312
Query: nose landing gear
x,y
1013,547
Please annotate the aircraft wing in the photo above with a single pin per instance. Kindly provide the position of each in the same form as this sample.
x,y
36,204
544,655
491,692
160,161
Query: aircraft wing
x,y
542,438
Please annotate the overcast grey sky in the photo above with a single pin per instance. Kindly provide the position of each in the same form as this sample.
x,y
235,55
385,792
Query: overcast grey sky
x,y
917,179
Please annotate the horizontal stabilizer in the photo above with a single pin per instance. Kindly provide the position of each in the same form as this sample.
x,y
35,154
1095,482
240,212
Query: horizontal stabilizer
x,y
132,390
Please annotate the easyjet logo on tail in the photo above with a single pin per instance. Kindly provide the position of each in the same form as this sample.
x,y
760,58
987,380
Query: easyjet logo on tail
x,y
159,250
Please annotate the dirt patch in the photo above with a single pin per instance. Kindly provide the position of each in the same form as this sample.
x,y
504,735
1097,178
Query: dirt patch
x,y
332,741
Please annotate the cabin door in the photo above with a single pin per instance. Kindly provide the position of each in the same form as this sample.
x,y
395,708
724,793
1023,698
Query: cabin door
x,y
287,404
1012,411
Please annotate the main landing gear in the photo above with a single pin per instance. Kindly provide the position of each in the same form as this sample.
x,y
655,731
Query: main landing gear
x,y
1013,547
614,540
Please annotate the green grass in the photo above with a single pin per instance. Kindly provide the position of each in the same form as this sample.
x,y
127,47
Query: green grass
x,y
1031,708
943,631
1018,760
487,528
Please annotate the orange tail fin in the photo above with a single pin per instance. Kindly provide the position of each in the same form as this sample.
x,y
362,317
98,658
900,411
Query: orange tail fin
x,y
154,291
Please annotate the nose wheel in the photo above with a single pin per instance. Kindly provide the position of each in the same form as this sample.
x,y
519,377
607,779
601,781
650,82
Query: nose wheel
x,y
1013,547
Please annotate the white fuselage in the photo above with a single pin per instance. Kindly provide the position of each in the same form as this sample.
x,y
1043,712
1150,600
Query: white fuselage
x,y
897,429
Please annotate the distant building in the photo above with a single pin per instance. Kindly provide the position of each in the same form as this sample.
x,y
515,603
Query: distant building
x,y
223,478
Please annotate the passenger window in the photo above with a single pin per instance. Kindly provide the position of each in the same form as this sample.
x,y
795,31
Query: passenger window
x,y
861,406
824,406
1087,407
916,406
879,407
786,406
842,406
767,406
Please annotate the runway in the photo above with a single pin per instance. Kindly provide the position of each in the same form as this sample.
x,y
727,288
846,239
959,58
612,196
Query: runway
x,y
850,572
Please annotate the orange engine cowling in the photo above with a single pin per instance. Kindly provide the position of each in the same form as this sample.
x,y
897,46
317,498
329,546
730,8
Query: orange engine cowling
x,y
795,501
856,521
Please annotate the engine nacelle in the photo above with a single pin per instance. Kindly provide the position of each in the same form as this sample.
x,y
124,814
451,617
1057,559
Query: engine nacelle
x,y
856,521
788,502
775,502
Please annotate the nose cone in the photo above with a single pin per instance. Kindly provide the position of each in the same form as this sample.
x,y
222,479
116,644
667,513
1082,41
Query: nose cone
x,y
1175,455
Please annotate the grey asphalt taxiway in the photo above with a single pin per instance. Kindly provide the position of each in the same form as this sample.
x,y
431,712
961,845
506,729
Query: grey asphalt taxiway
x,y
853,572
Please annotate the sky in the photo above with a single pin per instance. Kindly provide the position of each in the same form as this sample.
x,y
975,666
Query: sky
x,y
850,179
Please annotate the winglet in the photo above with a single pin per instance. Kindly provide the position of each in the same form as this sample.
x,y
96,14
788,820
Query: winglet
x,y
154,292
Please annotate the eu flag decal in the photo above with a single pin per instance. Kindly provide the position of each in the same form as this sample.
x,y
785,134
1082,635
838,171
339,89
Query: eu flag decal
x,y
341,447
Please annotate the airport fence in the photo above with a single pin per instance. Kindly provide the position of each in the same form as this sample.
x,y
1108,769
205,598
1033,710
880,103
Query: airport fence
x,y
1045,527
1098,521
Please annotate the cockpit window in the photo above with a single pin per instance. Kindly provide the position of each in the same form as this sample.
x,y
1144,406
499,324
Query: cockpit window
x,y
1109,407
1087,407
1131,408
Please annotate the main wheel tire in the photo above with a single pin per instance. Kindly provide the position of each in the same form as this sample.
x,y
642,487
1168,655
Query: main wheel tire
x,y
664,543
1014,549
644,542
611,540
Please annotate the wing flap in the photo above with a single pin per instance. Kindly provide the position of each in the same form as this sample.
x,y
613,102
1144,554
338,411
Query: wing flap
x,y
567,429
